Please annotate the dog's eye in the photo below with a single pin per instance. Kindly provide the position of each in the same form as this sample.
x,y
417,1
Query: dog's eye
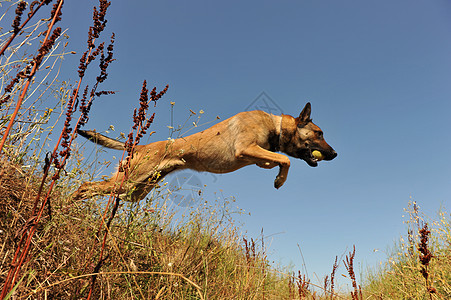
x,y
320,134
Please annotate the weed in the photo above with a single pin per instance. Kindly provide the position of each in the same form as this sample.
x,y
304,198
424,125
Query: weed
x,y
349,265
419,266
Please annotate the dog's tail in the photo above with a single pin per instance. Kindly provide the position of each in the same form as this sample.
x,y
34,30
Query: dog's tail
x,y
100,139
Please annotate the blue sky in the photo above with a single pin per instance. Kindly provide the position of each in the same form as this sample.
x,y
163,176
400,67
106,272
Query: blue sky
x,y
377,74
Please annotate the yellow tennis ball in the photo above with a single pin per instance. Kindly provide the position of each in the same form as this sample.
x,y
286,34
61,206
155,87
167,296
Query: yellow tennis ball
x,y
318,155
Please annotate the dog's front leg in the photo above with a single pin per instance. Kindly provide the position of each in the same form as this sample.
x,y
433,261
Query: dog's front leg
x,y
282,176
267,159
267,165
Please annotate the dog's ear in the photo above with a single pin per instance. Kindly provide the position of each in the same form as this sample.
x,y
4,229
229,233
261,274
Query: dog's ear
x,y
304,116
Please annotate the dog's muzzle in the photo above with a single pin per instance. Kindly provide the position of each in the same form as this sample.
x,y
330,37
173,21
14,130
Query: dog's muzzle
x,y
307,156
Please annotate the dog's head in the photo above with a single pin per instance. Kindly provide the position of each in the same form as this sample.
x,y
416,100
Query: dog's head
x,y
301,137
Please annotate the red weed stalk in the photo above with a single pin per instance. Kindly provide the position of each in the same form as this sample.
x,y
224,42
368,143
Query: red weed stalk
x,y
332,277
349,265
141,124
47,44
16,23
264,258
303,285
326,285
31,224
250,252
425,257
67,134
291,288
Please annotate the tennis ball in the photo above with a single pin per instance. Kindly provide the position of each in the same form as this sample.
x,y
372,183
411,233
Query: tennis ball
x,y
318,155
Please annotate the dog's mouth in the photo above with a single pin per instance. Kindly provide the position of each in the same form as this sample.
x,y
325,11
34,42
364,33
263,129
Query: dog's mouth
x,y
307,156
313,155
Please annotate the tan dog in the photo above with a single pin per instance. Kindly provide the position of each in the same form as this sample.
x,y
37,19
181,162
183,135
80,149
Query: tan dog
x,y
248,138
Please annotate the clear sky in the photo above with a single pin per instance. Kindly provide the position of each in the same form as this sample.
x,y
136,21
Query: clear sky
x,y
378,75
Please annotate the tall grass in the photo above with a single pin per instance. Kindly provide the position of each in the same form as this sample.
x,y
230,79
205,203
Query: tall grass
x,y
17,91
153,251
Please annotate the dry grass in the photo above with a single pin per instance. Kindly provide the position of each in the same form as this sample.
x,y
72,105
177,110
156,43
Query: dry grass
x,y
156,251
149,252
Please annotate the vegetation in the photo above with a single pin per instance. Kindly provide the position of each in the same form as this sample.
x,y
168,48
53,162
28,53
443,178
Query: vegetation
x,y
419,266
54,247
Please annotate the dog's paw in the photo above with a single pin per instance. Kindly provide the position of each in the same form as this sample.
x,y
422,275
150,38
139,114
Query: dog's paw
x,y
279,181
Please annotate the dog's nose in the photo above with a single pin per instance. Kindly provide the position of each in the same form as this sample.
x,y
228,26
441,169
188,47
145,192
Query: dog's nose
x,y
334,154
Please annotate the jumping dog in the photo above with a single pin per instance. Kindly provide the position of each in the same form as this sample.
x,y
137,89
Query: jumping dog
x,y
251,137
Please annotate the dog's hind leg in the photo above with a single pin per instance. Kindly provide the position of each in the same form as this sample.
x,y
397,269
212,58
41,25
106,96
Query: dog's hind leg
x,y
91,189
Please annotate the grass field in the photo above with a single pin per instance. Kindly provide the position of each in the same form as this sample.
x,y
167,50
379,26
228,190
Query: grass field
x,y
152,252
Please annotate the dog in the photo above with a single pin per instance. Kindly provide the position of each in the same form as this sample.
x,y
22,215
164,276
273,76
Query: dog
x,y
248,138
